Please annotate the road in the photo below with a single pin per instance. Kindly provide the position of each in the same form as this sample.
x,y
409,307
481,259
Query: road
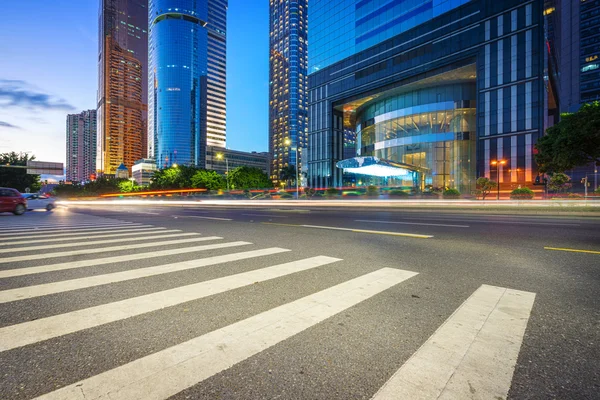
x,y
131,302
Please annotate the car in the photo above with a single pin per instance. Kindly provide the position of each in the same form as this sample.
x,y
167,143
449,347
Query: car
x,y
12,201
39,201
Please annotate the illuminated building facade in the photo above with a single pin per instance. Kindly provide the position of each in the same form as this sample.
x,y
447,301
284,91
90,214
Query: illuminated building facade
x,y
437,89
122,84
186,109
288,63
81,146
223,160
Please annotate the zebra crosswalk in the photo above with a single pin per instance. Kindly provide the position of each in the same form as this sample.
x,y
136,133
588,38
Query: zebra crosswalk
x,y
474,350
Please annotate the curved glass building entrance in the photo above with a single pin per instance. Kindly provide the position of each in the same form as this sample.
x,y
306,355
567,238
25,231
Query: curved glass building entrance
x,y
428,127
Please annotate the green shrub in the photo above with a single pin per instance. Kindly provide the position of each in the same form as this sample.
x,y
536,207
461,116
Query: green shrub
x,y
522,194
597,191
332,192
352,194
451,193
575,196
285,195
398,193
372,191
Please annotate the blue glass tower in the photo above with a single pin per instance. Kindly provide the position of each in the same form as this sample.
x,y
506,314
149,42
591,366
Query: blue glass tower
x,y
177,81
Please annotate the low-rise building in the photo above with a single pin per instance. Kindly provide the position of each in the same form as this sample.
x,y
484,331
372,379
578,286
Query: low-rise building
x,y
222,160
143,170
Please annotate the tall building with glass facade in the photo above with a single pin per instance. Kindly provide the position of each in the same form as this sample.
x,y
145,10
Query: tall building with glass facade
x,y
81,146
435,91
122,84
288,84
186,84
580,52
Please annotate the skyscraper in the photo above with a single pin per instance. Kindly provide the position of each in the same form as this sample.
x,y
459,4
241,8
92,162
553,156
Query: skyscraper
x,y
438,92
288,115
187,79
122,87
81,146
580,52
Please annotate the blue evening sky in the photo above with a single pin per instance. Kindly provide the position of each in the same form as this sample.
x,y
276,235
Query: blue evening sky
x,y
48,69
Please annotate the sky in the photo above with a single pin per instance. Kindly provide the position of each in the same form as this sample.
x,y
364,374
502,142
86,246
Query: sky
x,y
48,69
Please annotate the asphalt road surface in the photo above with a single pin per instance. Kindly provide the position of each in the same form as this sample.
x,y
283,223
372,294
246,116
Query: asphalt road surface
x,y
129,302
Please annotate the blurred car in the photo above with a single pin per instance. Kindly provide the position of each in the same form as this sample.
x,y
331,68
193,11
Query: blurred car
x,y
12,201
37,201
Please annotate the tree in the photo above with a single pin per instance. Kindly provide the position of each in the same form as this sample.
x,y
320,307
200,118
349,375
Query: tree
x,y
207,179
17,178
574,141
174,177
288,174
249,178
559,182
485,186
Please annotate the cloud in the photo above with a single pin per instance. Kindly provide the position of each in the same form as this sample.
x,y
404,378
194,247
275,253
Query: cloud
x,y
17,93
7,125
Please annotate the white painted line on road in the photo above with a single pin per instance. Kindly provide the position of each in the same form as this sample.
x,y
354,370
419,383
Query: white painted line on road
x,y
107,235
9,273
55,233
335,228
61,228
409,223
473,354
266,215
96,242
4,260
198,216
167,372
474,220
64,224
97,280
63,324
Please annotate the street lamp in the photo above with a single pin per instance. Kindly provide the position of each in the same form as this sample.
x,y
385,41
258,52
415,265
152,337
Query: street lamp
x,y
220,157
288,142
498,163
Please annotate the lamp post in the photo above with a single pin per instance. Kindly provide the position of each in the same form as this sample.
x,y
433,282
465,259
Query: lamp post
x,y
220,157
498,163
288,142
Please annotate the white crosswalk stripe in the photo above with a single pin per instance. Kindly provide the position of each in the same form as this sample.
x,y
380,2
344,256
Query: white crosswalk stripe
x,y
96,242
474,351
70,253
97,280
107,235
46,328
63,224
188,363
55,233
61,228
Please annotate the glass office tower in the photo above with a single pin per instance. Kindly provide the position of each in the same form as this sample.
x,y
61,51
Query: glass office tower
x,y
288,84
122,84
435,91
186,85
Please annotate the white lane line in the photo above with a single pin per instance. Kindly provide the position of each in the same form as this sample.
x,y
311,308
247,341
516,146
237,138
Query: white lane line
x,y
473,354
169,371
409,223
4,260
9,273
266,215
97,280
198,216
95,236
55,233
46,328
62,228
335,228
473,220
96,242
